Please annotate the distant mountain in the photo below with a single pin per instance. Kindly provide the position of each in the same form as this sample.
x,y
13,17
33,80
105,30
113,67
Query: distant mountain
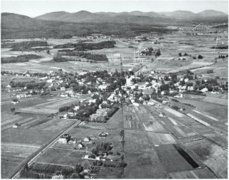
x,y
55,16
102,17
10,20
209,13
131,17
180,15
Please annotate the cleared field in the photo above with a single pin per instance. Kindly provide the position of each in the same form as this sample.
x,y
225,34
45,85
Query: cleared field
x,y
176,113
194,174
218,139
115,122
210,117
144,165
199,120
172,160
27,136
212,155
38,111
12,155
54,125
159,138
132,121
136,141
217,111
61,157
155,127
219,101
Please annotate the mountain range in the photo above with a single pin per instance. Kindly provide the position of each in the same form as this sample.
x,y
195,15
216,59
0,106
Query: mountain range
x,y
134,16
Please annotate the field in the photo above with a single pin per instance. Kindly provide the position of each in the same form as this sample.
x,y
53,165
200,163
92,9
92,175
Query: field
x,y
61,157
52,106
217,111
212,155
12,155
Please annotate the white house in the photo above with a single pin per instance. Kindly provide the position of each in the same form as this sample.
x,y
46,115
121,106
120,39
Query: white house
x,y
62,140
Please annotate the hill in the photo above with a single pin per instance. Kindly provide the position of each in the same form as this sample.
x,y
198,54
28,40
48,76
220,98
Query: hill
x,y
10,20
180,15
143,17
54,15
210,13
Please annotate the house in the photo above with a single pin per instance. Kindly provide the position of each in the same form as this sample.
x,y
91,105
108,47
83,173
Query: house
x,y
87,139
16,125
15,101
80,146
204,89
103,134
103,87
62,140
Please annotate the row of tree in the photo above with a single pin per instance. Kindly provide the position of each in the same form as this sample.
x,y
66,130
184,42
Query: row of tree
x,y
88,46
28,85
21,58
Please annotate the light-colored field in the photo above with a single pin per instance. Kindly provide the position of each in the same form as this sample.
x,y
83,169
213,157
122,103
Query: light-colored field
x,y
176,113
219,101
159,138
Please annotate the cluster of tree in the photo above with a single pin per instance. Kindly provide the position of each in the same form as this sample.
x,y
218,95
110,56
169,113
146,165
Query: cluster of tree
x,y
64,108
31,74
210,71
156,97
21,58
180,54
175,107
88,46
112,111
189,105
95,57
24,46
102,148
222,56
89,56
175,100
29,85
59,58
200,56
196,93
220,47
38,171
148,51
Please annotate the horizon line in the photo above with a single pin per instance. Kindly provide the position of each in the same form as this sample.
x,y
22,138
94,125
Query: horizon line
x,y
119,12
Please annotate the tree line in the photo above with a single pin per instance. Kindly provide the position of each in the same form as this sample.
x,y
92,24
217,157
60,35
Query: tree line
x,y
21,58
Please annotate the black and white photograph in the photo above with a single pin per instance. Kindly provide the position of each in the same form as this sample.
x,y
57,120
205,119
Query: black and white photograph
x,y
114,89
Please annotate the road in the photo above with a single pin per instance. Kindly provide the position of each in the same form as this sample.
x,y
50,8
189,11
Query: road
x,y
16,176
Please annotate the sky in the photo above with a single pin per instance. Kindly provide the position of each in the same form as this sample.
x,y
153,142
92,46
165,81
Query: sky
x,y
34,8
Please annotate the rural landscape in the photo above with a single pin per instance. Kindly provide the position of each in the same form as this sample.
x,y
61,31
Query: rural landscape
x,y
114,95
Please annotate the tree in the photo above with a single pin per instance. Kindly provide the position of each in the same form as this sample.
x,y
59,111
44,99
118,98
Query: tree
x,y
180,54
12,110
75,176
200,57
